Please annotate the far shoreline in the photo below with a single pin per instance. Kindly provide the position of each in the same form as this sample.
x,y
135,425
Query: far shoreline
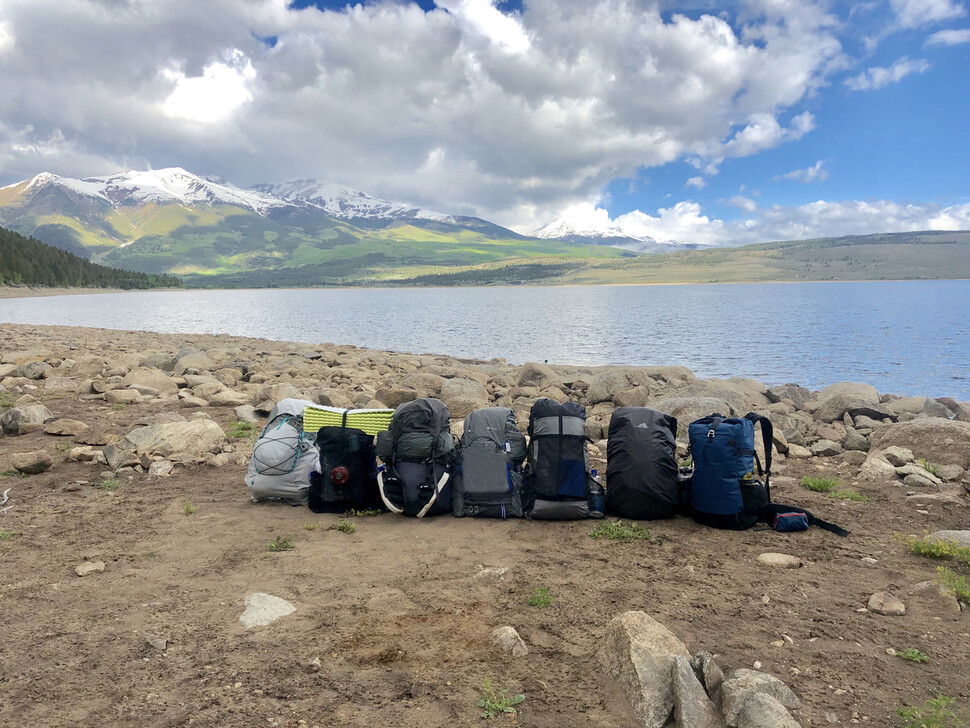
x,y
45,292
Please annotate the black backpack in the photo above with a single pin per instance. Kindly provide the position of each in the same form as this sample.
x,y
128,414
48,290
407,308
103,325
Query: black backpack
x,y
641,464
558,486
419,456
348,472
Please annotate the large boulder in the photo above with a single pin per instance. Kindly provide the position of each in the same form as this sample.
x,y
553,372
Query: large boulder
x,y
793,392
33,370
688,409
942,442
639,653
194,360
16,417
865,392
918,406
605,385
198,438
462,396
533,374
742,685
148,377
31,463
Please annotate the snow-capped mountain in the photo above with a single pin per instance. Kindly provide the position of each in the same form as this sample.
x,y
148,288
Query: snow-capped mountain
x,y
344,202
162,185
595,232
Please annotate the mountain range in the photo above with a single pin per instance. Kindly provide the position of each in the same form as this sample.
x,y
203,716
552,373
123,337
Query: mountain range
x,y
304,231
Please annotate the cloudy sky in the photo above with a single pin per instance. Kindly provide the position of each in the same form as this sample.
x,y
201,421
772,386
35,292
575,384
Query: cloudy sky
x,y
717,123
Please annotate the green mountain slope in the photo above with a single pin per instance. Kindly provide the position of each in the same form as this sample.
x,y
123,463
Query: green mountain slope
x,y
24,261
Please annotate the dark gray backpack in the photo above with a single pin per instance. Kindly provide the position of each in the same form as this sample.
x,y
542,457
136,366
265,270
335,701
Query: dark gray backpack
x,y
492,451
419,459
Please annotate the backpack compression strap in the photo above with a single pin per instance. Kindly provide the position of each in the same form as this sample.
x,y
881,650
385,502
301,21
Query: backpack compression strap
x,y
767,434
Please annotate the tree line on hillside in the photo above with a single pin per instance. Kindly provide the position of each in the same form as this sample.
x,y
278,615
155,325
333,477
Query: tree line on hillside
x,y
25,261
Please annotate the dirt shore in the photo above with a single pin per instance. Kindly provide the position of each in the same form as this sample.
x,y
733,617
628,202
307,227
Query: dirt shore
x,y
392,621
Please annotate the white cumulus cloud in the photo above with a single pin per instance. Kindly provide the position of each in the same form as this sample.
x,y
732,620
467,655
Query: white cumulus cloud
x,y
950,37
878,77
915,13
815,173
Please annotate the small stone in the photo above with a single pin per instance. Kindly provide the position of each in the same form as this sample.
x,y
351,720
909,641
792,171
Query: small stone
x,y
756,665
159,643
31,463
869,561
778,643
161,468
886,604
509,641
264,609
891,651
797,451
313,665
784,561
898,456
65,427
89,567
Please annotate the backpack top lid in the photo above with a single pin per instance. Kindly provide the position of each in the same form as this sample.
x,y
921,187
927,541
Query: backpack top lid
x,y
419,429
420,415
497,425
635,424
545,410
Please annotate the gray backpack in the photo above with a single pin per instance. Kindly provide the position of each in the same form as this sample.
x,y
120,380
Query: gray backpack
x,y
283,456
492,451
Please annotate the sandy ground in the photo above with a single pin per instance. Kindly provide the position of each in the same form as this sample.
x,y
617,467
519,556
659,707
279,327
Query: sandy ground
x,y
398,612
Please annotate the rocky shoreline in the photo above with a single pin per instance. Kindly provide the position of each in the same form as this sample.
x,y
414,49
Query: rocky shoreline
x,y
159,412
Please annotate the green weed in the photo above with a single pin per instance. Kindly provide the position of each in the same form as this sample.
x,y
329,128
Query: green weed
x,y
14,473
540,597
188,509
343,525
280,543
846,494
366,513
107,484
934,713
63,446
820,485
947,550
493,702
119,406
6,535
619,531
956,583
913,655
241,429
311,525
928,466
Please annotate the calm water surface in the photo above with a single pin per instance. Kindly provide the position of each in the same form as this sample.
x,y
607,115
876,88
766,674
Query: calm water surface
x,y
904,337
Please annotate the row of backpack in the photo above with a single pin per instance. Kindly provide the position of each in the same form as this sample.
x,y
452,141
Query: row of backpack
x,y
491,472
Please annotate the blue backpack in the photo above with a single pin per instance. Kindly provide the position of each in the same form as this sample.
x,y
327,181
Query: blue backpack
x,y
726,489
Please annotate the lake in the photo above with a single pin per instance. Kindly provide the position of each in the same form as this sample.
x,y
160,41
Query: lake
x,y
904,337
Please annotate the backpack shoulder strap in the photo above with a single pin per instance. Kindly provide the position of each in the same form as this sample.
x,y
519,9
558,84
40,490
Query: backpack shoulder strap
x,y
767,434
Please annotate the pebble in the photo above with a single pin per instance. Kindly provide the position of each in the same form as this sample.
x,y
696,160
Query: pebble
x,y
785,561
89,567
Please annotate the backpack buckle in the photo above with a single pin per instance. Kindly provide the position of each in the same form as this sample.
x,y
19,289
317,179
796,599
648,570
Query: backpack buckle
x,y
710,434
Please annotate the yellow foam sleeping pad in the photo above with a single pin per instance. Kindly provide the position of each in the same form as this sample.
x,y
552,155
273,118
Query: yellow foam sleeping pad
x,y
370,421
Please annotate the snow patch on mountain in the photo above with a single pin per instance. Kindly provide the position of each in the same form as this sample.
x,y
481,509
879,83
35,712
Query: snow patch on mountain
x,y
345,202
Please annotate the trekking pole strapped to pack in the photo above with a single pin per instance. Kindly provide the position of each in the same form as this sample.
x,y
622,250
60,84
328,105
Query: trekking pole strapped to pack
x,y
419,456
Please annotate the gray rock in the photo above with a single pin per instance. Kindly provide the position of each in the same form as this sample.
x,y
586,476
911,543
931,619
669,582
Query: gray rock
x,y
825,448
89,567
914,469
247,413
950,473
639,653
898,456
870,412
935,599
886,604
122,396
116,457
198,439
533,374
798,452
918,480
961,538
16,417
153,378
605,385
711,676
194,360
31,463
229,398
765,711
509,641
945,442
784,561
65,427
635,397
688,409
32,370
917,406
157,642
692,707
854,457
463,396
835,407
263,609
280,391
876,467
61,384
854,441
867,423
742,685
161,468
865,392
205,390
794,392
394,397
953,497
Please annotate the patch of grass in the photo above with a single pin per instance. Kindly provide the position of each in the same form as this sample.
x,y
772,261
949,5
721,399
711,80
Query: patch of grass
x,y
934,713
956,583
188,509
493,702
280,543
241,429
14,473
6,535
119,406
63,446
947,550
107,484
820,485
928,466
540,597
619,531
366,513
913,655
846,494
343,525
311,525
